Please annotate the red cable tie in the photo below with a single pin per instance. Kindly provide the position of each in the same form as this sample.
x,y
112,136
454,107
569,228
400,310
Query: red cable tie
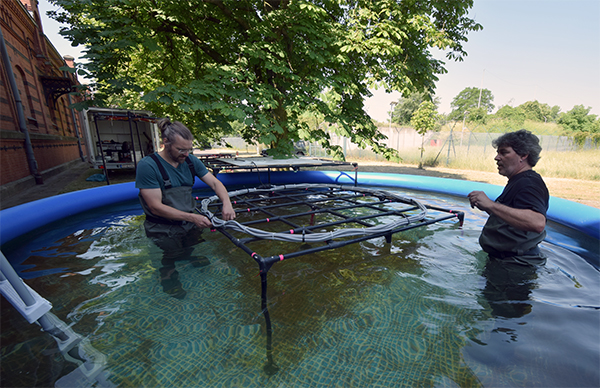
x,y
280,257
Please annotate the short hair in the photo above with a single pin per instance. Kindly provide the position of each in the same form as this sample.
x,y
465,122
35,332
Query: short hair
x,y
523,143
169,130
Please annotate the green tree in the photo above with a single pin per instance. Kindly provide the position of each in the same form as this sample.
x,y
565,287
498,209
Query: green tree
x,y
515,115
424,120
265,63
578,119
478,115
581,125
554,113
469,100
406,107
536,111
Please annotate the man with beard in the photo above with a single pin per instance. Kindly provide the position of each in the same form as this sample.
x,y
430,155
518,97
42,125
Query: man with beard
x,y
165,180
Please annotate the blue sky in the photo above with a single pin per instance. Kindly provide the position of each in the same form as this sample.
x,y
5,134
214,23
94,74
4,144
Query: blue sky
x,y
545,50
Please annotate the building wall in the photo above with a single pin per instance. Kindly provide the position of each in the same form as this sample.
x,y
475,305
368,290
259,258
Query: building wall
x,y
50,122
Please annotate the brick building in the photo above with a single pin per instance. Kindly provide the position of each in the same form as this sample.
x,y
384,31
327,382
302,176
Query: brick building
x,y
39,135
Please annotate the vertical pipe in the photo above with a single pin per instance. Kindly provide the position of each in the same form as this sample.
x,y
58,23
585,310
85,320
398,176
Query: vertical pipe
x,y
75,124
270,368
33,166
76,131
129,117
101,150
137,131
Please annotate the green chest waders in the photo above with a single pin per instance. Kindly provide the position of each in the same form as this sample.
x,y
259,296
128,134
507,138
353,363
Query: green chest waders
x,y
504,242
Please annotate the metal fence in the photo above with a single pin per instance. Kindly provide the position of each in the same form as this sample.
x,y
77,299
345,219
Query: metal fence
x,y
454,141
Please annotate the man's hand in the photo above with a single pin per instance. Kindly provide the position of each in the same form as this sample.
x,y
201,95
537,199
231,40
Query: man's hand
x,y
200,220
227,212
524,219
480,200
153,198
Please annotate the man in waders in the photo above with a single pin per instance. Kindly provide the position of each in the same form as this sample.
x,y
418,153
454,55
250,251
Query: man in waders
x,y
515,227
517,219
165,180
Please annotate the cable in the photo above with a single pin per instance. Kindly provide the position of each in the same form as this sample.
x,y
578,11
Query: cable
x,y
320,236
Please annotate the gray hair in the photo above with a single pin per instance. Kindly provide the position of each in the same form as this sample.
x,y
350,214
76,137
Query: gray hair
x,y
523,143
169,130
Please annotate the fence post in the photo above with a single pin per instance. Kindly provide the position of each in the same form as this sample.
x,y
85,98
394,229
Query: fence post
x,y
469,144
450,144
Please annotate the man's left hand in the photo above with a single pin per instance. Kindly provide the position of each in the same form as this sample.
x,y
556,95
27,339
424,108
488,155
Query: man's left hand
x,y
227,212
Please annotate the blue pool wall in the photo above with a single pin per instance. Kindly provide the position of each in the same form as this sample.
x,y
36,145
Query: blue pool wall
x,y
22,219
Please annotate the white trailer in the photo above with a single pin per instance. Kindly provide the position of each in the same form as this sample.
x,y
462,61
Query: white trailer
x,y
119,138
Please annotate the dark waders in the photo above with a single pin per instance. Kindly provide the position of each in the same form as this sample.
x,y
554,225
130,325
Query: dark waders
x,y
175,238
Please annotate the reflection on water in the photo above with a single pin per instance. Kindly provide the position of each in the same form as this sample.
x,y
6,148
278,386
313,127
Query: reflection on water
x,y
426,310
507,288
176,244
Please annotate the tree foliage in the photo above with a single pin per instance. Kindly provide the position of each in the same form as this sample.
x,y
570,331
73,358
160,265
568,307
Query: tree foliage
x,y
535,111
468,103
406,107
514,115
266,63
423,120
578,119
530,110
581,125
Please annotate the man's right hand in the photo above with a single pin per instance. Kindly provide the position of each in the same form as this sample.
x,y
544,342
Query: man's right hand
x,y
201,221
153,198
480,200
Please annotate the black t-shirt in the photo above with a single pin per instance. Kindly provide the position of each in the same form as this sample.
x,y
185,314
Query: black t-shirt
x,y
525,190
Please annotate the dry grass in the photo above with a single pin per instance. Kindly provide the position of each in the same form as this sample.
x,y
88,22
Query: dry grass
x,y
583,191
582,165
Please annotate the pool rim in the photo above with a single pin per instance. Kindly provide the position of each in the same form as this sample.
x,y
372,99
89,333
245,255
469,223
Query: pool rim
x,y
19,220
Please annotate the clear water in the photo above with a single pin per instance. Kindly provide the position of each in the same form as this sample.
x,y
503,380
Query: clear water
x,y
423,311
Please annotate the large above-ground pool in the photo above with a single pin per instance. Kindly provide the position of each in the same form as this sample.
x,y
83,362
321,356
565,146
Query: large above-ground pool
x,y
425,310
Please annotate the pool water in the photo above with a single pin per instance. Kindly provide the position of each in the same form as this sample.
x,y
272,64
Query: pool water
x,y
425,310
